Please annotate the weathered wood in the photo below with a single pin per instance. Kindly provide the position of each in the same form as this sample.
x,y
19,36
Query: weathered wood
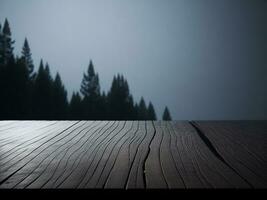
x,y
185,161
169,169
139,150
57,157
118,175
243,146
211,171
63,173
133,154
30,158
154,171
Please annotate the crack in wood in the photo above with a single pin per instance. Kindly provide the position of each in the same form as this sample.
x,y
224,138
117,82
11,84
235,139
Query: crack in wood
x,y
148,152
142,154
214,151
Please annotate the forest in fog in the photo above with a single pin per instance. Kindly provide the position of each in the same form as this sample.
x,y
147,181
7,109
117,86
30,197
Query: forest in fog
x,y
26,93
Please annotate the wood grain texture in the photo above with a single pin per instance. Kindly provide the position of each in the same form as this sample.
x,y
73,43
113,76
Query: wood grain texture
x,y
133,154
243,145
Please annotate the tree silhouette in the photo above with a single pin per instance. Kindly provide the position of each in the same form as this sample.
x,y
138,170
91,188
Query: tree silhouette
x,y
90,83
136,112
166,115
15,90
60,102
26,57
1,46
6,50
42,93
26,60
23,86
102,107
75,108
11,77
90,90
120,101
142,110
151,115
25,94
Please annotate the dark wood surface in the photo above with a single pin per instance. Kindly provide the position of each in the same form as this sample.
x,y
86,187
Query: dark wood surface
x,y
243,146
133,154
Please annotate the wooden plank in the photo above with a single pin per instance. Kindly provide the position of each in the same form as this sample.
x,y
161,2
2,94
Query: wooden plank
x,y
24,135
27,165
155,177
100,158
243,147
69,161
11,133
212,172
79,176
11,148
20,149
40,133
186,161
118,175
184,157
60,158
170,172
4,124
67,183
132,154
140,150
27,159
110,154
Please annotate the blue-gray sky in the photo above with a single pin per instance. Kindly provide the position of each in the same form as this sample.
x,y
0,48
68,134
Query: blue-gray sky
x,y
205,59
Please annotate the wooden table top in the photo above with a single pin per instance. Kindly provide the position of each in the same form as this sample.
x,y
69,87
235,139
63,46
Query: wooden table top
x,y
133,154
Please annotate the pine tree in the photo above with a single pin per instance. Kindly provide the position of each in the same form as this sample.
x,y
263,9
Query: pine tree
x,y
24,86
102,107
75,107
136,112
6,50
151,112
90,83
1,77
142,110
47,72
60,102
131,114
11,79
26,95
166,115
90,90
112,100
14,91
27,59
120,101
1,46
43,93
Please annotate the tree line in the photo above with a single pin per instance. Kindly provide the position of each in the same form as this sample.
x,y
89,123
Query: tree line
x,y
26,94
